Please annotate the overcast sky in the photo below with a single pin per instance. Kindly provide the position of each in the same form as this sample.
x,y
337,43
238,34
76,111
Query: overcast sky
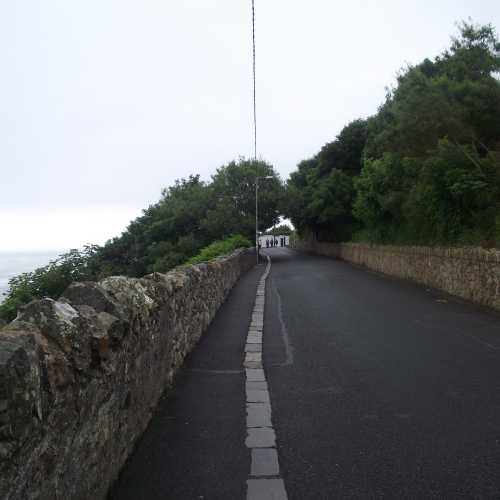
x,y
104,102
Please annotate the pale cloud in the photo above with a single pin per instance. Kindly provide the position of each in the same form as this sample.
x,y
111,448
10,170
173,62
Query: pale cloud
x,y
61,229
105,102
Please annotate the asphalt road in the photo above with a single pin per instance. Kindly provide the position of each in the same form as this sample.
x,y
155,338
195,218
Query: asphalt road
x,y
386,390
379,389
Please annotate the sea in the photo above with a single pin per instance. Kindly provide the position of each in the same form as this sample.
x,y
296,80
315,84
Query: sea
x,y
14,263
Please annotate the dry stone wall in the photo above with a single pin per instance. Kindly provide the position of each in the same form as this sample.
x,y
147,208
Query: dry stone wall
x,y
81,376
470,273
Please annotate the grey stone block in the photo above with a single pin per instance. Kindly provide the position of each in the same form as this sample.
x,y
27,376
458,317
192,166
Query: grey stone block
x,y
254,340
266,489
260,437
253,348
253,364
264,462
255,374
258,415
253,356
255,331
255,335
257,396
256,386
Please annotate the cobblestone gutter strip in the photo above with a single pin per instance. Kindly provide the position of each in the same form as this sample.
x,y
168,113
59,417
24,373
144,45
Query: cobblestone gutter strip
x,y
265,482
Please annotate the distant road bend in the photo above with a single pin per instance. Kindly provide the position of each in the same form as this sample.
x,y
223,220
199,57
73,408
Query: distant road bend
x,y
379,388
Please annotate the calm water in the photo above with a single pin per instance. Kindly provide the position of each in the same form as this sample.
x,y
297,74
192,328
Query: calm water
x,y
14,263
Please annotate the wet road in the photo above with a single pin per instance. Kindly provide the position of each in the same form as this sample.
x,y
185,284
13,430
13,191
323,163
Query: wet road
x,y
379,389
386,390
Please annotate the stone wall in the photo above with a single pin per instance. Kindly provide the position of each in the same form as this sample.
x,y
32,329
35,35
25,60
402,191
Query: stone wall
x,y
470,273
81,376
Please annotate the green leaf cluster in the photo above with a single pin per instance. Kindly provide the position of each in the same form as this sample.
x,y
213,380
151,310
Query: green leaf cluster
x,y
281,230
320,193
425,168
219,248
50,280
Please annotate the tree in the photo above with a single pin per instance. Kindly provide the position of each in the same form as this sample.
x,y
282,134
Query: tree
x,y
425,168
320,193
283,229
455,199
381,190
456,96
346,151
165,235
233,192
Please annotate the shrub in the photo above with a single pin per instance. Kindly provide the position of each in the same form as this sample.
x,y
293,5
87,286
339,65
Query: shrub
x,y
220,247
50,280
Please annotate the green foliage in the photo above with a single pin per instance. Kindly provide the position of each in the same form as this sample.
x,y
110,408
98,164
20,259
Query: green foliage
x,y
189,215
450,197
219,248
298,193
381,191
425,169
455,96
455,198
165,235
345,152
50,280
321,192
283,229
233,191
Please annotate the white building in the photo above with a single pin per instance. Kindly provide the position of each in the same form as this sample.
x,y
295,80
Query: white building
x,y
266,240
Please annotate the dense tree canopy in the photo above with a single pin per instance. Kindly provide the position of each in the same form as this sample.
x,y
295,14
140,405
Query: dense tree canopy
x,y
281,230
320,193
425,169
233,193
190,215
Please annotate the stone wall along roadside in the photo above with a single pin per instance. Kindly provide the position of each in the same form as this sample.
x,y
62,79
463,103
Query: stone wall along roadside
x,y
81,376
470,273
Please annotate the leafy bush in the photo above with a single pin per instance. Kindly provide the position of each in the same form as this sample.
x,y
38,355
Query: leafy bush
x,y
220,247
455,198
450,197
50,280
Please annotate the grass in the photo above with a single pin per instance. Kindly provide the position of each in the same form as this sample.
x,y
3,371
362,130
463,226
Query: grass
x,y
218,248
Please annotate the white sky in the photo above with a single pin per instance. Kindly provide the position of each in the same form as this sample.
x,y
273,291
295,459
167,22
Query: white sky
x,y
104,102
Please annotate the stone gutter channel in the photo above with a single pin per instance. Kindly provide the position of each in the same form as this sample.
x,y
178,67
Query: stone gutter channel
x,y
265,482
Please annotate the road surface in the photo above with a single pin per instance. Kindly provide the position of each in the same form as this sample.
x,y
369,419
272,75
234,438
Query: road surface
x,y
379,388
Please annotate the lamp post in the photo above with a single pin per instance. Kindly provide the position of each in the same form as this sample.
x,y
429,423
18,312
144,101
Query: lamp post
x,y
257,213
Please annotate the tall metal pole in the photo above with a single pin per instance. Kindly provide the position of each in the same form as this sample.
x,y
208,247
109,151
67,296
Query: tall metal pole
x,y
254,86
257,218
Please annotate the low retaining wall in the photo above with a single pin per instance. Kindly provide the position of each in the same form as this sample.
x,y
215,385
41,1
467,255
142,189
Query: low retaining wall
x,y
81,376
469,273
